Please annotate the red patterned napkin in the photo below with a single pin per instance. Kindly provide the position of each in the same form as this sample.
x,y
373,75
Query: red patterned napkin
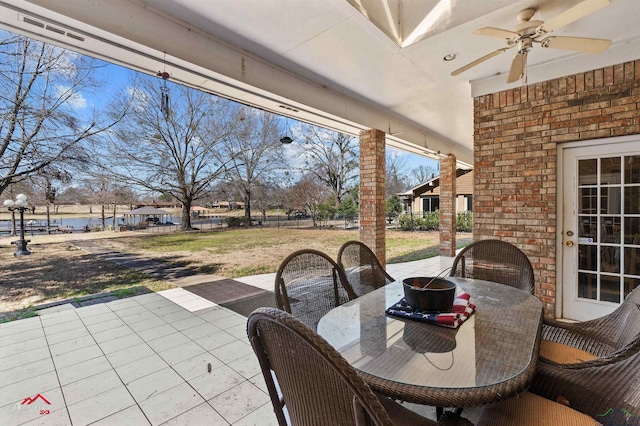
x,y
461,310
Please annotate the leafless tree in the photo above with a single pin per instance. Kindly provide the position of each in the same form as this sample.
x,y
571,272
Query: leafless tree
x,y
396,177
168,142
104,191
332,158
308,194
48,180
252,152
265,195
42,89
422,174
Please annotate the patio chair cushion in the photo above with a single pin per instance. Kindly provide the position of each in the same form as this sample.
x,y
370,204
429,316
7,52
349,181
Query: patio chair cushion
x,y
563,354
531,409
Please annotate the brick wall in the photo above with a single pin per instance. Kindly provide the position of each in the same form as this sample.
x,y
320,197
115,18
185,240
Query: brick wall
x,y
372,192
516,133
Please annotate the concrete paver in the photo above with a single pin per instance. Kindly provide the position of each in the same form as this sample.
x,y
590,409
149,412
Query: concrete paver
x,y
170,358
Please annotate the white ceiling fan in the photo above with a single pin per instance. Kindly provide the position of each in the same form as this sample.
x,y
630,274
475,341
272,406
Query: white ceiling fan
x,y
529,32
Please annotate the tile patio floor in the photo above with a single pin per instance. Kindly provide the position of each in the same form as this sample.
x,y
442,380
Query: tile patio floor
x,y
142,360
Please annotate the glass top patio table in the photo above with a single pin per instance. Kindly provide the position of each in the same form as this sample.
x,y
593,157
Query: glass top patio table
x,y
490,357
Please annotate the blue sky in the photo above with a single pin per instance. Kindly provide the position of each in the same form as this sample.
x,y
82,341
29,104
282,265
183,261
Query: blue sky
x,y
116,79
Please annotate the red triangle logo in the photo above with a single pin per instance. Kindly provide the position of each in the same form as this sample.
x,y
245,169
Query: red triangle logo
x,y
29,401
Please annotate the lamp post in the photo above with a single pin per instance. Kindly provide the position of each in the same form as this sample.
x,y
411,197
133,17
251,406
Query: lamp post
x,y
19,204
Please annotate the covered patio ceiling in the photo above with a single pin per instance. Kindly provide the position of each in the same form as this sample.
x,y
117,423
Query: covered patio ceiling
x,y
335,63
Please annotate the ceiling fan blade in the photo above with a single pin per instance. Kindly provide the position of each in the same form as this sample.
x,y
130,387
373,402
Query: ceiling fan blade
x,y
517,67
495,32
578,11
579,44
479,61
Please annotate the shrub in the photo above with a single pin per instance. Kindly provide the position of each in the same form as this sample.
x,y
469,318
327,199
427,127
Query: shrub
x,y
404,222
464,222
430,221
236,221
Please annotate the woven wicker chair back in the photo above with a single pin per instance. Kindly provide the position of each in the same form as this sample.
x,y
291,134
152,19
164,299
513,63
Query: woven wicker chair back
x,y
607,388
614,331
315,384
497,261
362,268
309,284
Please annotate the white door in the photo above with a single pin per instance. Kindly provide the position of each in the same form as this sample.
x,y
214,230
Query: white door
x,y
601,227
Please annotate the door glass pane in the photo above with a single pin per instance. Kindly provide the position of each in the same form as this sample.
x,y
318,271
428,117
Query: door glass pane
x,y
588,228
632,230
588,200
610,200
610,288
632,169
587,285
588,172
607,203
632,199
609,171
632,260
610,229
630,284
587,257
610,259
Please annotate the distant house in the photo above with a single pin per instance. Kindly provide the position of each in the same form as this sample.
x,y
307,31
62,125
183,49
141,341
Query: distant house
x,y
199,211
159,204
227,205
426,196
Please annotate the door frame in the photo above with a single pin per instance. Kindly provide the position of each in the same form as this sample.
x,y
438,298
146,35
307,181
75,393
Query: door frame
x,y
560,192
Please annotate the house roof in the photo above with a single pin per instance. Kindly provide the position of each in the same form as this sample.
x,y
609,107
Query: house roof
x,y
464,185
146,211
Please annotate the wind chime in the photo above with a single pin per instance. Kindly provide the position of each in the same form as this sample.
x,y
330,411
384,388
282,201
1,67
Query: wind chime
x,y
164,92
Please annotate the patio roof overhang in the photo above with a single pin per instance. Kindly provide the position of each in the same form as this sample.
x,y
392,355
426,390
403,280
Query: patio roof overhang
x,y
330,63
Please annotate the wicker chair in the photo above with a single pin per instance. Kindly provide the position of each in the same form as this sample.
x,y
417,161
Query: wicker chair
x,y
597,386
601,336
329,392
593,366
362,268
309,284
497,261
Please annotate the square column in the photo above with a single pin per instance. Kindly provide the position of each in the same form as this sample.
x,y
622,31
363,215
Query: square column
x,y
372,192
448,206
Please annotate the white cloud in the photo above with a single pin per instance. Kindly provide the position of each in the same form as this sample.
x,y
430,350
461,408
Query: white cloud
x,y
140,99
74,100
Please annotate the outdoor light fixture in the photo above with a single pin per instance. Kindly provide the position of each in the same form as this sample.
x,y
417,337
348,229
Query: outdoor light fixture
x,y
19,204
286,140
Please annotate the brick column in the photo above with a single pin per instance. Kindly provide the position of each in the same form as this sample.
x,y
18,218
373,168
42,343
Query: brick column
x,y
448,206
372,192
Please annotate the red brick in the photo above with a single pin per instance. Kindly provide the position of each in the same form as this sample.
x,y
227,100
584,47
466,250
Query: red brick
x,y
515,181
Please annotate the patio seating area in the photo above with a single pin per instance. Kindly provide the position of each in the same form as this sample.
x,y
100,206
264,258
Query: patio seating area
x,y
162,358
